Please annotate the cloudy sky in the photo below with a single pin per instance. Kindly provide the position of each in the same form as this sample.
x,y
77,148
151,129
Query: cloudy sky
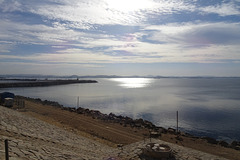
x,y
120,37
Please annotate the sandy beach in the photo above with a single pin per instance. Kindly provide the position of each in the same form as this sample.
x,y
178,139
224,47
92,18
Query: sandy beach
x,y
38,131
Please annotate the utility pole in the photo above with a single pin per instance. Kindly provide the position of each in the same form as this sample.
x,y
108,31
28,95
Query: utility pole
x,y
177,122
78,102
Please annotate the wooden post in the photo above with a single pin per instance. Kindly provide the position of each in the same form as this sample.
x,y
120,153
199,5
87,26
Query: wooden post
x,y
177,122
6,149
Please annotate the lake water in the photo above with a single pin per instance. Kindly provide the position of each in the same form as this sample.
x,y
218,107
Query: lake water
x,y
206,106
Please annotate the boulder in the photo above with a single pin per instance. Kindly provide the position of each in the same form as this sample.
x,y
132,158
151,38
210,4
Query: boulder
x,y
210,140
223,143
161,129
171,130
235,145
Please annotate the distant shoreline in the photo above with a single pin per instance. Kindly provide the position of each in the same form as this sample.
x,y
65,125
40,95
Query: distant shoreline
x,y
35,77
43,83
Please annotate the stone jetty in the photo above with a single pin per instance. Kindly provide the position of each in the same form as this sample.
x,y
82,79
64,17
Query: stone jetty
x,y
42,83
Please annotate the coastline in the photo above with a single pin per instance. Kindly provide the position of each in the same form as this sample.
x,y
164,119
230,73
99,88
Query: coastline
x,y
32,138
156,104
113,130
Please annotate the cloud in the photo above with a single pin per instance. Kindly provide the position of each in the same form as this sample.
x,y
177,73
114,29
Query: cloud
x,y
197,42
20,33
96,32
56,35
224,9
5,46
86,14
10,5
196,34
176,42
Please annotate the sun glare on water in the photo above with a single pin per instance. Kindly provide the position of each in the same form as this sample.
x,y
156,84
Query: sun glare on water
x,y
133,82
129,5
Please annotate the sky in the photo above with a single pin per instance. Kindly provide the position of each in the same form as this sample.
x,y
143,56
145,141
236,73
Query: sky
x,y
120,37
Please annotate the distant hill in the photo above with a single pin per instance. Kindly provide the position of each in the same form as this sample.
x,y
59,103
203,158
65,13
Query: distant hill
x,y
39,76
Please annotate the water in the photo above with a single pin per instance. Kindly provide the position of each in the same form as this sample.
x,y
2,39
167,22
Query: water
x,y
206,106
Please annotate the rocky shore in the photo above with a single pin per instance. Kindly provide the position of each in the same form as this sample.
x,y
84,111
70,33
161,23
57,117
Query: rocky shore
x,y
32,139
41,83
154,131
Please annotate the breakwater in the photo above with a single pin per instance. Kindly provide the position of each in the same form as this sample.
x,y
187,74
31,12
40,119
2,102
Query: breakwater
x,y
43,83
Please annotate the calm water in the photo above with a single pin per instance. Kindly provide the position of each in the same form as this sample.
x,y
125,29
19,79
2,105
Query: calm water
x,y
206,106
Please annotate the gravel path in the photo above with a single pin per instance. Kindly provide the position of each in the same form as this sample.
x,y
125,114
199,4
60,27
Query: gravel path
x,y
32,139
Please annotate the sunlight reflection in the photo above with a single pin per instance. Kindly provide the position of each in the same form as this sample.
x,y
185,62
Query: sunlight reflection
x,y
133,82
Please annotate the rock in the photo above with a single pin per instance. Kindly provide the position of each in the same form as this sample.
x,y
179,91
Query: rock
x,y
161,130
80,110
179,138
188,135
235,145
138,125
237,148
155,134
140,121
223,143
149,125
210,140
171,130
